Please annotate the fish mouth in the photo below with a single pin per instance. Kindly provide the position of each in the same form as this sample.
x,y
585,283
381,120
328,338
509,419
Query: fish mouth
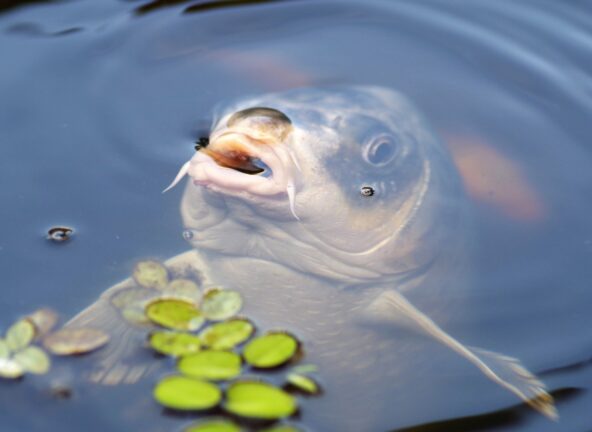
x,y
236,161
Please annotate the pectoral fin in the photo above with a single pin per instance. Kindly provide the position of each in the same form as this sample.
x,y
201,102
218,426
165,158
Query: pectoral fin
x,y
125,360
120,361
506,371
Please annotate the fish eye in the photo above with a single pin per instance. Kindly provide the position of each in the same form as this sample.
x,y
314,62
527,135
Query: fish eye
x,y
381,150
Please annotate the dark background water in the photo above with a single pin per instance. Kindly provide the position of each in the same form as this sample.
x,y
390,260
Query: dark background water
x,y
101,101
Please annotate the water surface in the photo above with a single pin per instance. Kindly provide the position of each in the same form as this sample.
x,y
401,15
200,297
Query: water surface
x,y
101,103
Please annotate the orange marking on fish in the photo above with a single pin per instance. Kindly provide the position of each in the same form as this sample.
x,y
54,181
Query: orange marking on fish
x,y
492,178
274,72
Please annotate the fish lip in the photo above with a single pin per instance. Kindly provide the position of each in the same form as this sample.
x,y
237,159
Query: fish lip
x,y
206,171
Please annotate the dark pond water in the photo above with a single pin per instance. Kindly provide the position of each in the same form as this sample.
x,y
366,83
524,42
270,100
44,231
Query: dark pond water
x,y
101,103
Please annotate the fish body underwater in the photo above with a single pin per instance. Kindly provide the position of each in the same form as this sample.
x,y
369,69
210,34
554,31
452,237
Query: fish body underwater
x,y
340,217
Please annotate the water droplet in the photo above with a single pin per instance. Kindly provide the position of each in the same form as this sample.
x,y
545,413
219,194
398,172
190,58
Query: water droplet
x,y
367,191
60,234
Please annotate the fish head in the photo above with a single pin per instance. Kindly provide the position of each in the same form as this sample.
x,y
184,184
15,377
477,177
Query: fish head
x,y
345,183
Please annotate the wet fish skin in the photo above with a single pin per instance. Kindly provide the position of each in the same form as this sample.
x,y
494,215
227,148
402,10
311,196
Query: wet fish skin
x,y
347,259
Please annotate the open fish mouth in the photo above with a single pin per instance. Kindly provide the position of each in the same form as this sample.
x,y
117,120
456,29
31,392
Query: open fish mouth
x,y
239,161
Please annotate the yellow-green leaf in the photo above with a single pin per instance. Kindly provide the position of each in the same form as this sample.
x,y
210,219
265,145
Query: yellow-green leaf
x,y
303,383
213,425
186,394
33,359
133,296
183,288
270,350
151,274
227,334
44,320
175,314
174,344
20,334
218,305
73,341
282,428
211,365
259,400
10,369
136,316
4,350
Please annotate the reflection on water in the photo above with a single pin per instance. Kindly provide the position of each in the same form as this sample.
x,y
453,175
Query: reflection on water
x,y
96,122
198,6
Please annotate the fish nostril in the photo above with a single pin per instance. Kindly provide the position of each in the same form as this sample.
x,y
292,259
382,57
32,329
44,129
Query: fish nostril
x,y
202,142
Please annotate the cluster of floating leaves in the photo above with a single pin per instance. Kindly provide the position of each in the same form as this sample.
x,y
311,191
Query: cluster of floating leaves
x,y
213,348
19,355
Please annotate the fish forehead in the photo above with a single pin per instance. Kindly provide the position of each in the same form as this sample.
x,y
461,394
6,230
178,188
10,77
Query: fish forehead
x,y
332,121
310,107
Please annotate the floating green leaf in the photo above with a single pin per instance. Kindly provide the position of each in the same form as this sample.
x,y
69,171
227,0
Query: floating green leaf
x,y
183,288
259,400
133,296
44,320
73,341
282,428
270,350
227,334
211,365
218,305
4,350
135,316
10,369
185,393
174,344
20,334
213,425
151,274
175,314
303,383
33,359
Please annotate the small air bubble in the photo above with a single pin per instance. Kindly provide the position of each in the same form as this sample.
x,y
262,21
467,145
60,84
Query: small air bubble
x,y
59,234
187,234
367,191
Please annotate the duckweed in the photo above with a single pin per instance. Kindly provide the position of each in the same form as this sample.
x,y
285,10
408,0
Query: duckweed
x,y
175,314
186,394
74,341
151,274
44,320
173,343
270,350
303,383
183,288
211,365
33,359
220,304
282,428
173,304
10,369
228,334
257,399
20,334
18,356
213,425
